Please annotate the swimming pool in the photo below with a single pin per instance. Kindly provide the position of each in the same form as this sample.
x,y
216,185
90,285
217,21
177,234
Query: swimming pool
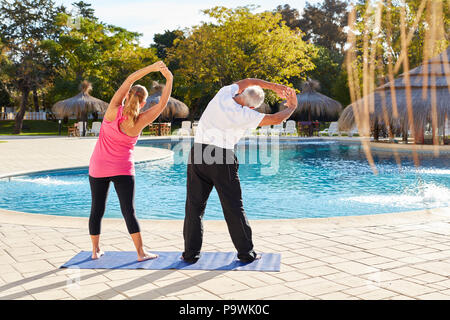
x,y
292,179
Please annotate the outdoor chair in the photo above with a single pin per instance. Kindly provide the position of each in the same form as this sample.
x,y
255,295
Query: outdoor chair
x,y
333,129
185,129
353,131
264,131
277,130
73,131
291,127
194,127
95,129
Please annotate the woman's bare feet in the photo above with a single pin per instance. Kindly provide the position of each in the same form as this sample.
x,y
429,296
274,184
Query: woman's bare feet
x,y
97,254
146,256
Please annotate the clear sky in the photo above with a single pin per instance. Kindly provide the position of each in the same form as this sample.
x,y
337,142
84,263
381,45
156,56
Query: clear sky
x,y
149,16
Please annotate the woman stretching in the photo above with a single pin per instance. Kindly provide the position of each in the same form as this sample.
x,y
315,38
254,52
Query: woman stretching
x,y
112,159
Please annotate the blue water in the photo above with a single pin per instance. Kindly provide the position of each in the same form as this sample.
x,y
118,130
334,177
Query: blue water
x,y
295,180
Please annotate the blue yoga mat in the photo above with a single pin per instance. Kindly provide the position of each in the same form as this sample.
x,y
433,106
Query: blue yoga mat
x,y
172,260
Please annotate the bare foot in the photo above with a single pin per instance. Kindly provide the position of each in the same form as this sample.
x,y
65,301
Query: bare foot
x,y
97,254
258,256
147,256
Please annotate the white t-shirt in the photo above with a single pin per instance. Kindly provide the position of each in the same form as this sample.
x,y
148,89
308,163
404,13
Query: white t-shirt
x,y
224,121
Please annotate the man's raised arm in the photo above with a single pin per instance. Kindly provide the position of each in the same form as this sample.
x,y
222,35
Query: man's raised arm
x,y
277,118
279,89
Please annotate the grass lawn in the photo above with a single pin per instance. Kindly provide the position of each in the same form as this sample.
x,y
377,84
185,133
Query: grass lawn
x,y
35,127
46,127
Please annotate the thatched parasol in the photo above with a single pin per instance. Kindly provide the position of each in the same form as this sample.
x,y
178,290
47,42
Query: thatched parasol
x,y
429,85
175,108
80,105
313,105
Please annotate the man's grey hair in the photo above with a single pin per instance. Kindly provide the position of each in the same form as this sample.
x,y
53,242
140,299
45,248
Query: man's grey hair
x,y
253,96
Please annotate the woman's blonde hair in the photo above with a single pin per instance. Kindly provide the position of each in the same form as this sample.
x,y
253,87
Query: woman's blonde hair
x,y
135,97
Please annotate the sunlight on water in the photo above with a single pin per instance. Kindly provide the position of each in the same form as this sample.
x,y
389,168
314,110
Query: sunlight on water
x,y
47,181
427,194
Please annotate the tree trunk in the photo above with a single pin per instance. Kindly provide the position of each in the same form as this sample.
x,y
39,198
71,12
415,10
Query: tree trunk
x,y
35,100
84,118
419,137
376,131
310,128
23,106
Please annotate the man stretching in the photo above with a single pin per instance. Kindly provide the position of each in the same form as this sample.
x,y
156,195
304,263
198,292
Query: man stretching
x,y
212,161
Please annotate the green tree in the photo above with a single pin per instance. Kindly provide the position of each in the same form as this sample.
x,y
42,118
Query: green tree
x,y
324,24
103,54
164,41
289,15
23,26
238,45
84,10
5,94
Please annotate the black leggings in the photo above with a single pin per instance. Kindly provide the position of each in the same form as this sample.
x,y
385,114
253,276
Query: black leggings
x,y
124,186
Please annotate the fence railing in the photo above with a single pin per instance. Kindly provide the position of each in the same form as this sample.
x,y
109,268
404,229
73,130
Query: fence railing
x,y
28,115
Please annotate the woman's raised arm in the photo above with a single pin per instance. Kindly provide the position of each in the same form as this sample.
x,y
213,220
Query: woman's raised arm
x,y
151,114
122,92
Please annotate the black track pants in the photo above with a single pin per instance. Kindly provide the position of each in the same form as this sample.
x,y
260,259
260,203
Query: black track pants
x,y
219,168
124,186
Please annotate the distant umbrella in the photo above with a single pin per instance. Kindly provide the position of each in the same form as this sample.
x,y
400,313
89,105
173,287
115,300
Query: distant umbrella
x,y
313,105
80,105
429,84
174,109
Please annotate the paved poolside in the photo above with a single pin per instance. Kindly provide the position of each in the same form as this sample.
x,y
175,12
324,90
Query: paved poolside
x,y
386,256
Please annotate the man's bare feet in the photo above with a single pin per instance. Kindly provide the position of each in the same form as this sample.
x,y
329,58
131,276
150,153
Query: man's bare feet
x,y
97,254
146,256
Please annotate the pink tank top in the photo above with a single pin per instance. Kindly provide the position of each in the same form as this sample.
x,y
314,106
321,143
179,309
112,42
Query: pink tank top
x,y
113,153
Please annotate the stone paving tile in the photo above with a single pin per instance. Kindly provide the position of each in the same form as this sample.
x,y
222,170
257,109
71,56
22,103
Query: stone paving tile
x,y
276,290
223,285
407,271
319,271
434,296
291,275
407,287
318,288
401,297
200,295
377,294
437,267
290,296
388,253
309,264
347,280
354,268
334,296
429,278
331,259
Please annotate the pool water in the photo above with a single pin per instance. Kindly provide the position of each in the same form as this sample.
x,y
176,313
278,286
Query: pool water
x,y
282,181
